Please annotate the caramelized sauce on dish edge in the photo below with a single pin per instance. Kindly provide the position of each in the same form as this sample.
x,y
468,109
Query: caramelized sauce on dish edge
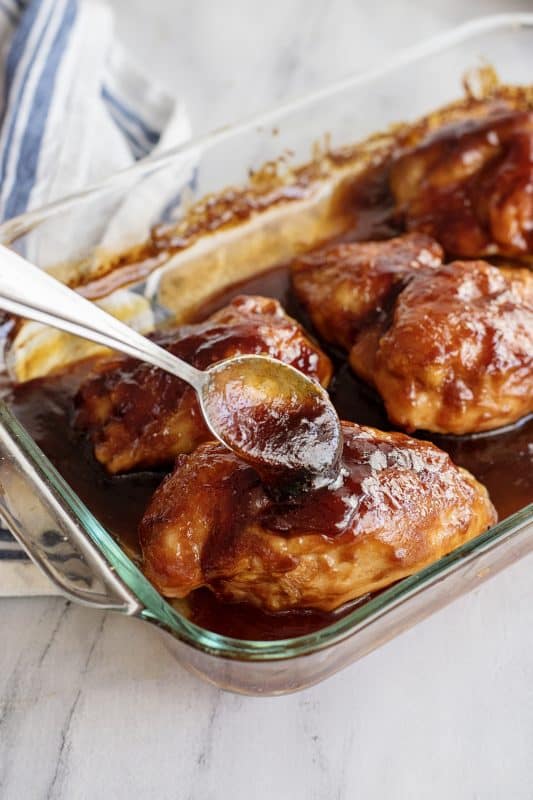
x,y
500,460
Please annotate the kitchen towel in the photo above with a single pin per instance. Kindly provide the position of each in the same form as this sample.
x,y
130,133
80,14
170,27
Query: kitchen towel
x,y
74,109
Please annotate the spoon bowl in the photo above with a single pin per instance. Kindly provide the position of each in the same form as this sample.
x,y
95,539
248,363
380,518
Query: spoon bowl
x,y
275,418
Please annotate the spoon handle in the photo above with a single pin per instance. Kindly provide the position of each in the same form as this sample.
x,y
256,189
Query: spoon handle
x,y
30,292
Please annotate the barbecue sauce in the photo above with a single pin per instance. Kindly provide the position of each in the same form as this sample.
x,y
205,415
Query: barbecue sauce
x,y
45,406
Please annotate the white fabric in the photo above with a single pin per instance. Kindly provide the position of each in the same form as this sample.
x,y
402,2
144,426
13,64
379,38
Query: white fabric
x,y
74,110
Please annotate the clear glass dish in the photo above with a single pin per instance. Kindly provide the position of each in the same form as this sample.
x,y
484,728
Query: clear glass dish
x,y
64,538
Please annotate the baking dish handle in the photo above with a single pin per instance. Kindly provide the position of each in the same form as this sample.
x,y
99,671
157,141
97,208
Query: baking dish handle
x,y
32,503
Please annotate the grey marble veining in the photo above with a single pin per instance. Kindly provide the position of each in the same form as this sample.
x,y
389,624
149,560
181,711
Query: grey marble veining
x,y
93,705
231,59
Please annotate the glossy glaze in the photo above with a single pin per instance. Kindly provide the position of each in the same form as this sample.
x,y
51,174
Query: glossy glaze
x,y
139,416
276,420
449,347
456,354
470,185
398,505
501,461
345,287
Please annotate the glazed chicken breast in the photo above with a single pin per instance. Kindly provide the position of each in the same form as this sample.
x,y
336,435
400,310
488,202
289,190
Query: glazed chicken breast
x,y
448,347
344,287
470,185
456,355
139,416
398,505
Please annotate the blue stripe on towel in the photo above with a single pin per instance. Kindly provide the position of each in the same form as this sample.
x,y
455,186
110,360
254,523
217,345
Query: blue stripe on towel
x,y
140,135
138,150
30,20
13,555
30,147
10,549
149,133
18,45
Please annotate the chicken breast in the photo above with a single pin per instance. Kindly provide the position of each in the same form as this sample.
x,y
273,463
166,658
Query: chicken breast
x,y
470,185
456,355
139,416
398,505
345,286
448,347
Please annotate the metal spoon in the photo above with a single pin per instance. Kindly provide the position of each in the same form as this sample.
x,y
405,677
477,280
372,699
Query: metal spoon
x,y
273,416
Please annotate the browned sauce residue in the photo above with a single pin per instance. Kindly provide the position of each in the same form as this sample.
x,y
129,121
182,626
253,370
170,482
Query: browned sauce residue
x,y
279,183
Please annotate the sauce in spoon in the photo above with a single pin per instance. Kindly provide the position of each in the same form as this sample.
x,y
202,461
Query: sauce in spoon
x,y
276,419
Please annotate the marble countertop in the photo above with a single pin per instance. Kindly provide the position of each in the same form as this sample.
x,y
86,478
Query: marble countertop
x,y
93,705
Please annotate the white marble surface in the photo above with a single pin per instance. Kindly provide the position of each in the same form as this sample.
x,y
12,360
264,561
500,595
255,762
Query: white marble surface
x,y
93,705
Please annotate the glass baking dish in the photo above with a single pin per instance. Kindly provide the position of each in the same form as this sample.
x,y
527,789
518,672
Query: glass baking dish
x,y
78,233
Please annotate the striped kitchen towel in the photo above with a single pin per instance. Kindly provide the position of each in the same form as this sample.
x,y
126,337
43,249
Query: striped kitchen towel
x,y
73,109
